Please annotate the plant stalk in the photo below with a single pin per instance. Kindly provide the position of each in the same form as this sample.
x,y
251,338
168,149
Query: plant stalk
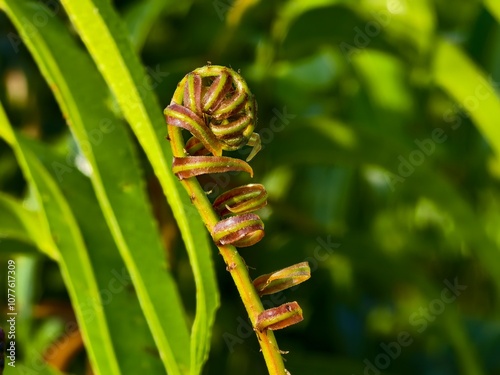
x,y
234,262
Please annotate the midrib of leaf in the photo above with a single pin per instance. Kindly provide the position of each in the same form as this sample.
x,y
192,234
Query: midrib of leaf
x,y
73,259
170,345
120,67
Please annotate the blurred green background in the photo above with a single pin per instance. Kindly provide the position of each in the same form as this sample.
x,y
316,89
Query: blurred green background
x,y
380,121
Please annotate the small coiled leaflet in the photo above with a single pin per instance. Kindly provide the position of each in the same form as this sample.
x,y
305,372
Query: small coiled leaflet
x,y
219,111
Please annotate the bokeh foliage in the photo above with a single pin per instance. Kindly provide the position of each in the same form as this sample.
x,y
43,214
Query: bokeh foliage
x,y
380,127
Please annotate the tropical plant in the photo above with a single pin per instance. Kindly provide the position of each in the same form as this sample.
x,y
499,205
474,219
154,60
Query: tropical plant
x,y
380,153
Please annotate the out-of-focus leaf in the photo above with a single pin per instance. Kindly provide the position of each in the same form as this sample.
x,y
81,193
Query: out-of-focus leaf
x,y
456,74
360,25
494,7
315,147
16,222
14,246
58,220
382,76
46,335
319,364
121,304
402,22
26,367
237,10
294,9
105,37
406,270
141,16
316,72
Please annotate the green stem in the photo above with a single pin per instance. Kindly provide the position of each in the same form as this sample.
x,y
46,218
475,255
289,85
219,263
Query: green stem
x,y
234,262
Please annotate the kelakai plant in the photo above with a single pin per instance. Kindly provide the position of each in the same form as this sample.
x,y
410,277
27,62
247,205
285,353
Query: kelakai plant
x,y
215,105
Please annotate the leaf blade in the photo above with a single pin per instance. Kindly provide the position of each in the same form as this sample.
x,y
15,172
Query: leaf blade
x,y
106,39
58,220
116,180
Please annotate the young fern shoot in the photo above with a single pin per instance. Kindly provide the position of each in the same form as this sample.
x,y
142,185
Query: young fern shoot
x,y
214,104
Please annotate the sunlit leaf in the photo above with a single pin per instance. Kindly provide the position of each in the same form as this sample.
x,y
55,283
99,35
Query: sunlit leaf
x,y
58,220
116,179
106,39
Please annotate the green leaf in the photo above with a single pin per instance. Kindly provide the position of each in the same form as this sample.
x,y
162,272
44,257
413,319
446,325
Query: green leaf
x,y
27,368
116,180
15,246
314,146
58,220
121,305
294,9
106,39
468,86
494,7
141,16
16,222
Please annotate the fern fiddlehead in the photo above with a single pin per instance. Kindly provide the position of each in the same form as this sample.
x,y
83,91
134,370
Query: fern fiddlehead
x,y
219,111
214,104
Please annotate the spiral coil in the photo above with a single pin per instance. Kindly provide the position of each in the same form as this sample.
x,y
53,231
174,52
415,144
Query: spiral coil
x,y
219,111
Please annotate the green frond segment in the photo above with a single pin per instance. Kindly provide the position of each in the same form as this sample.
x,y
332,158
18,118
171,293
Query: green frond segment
x,y
58,221
105,36
20,224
